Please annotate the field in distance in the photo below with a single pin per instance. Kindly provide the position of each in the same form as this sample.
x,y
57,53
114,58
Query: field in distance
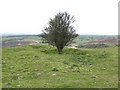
x,y
87,41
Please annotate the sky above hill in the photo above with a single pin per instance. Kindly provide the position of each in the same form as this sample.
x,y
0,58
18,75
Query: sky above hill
x,y
31,16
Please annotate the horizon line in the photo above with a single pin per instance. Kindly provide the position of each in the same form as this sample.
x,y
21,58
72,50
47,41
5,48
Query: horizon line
x,y
7,34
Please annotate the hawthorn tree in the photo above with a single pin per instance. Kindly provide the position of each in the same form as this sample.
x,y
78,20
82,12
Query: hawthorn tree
x,y
60,31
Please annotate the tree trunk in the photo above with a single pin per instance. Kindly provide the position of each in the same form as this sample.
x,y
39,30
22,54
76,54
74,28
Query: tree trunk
x,y
59,50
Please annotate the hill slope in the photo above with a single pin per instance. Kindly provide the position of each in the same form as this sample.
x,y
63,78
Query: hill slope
x,y
40,66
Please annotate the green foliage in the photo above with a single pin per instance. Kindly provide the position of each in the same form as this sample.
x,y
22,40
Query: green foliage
x,y
60,31
33,66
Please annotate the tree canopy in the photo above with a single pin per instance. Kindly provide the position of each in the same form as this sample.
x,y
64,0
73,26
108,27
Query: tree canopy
x,y
60,31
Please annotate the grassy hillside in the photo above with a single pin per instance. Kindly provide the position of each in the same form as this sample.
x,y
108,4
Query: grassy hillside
x,y
40,66
0,68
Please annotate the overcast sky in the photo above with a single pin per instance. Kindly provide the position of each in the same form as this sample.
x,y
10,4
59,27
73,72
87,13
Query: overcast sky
x,y
31,16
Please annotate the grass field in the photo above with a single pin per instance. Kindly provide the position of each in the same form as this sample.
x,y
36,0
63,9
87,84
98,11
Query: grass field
x,y
40,66
0,68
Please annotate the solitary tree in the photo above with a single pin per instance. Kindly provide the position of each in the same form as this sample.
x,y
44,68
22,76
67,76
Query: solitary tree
x,y
59,31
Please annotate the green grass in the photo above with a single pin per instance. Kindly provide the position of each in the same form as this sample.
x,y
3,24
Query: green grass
x,y
40,66
0,68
